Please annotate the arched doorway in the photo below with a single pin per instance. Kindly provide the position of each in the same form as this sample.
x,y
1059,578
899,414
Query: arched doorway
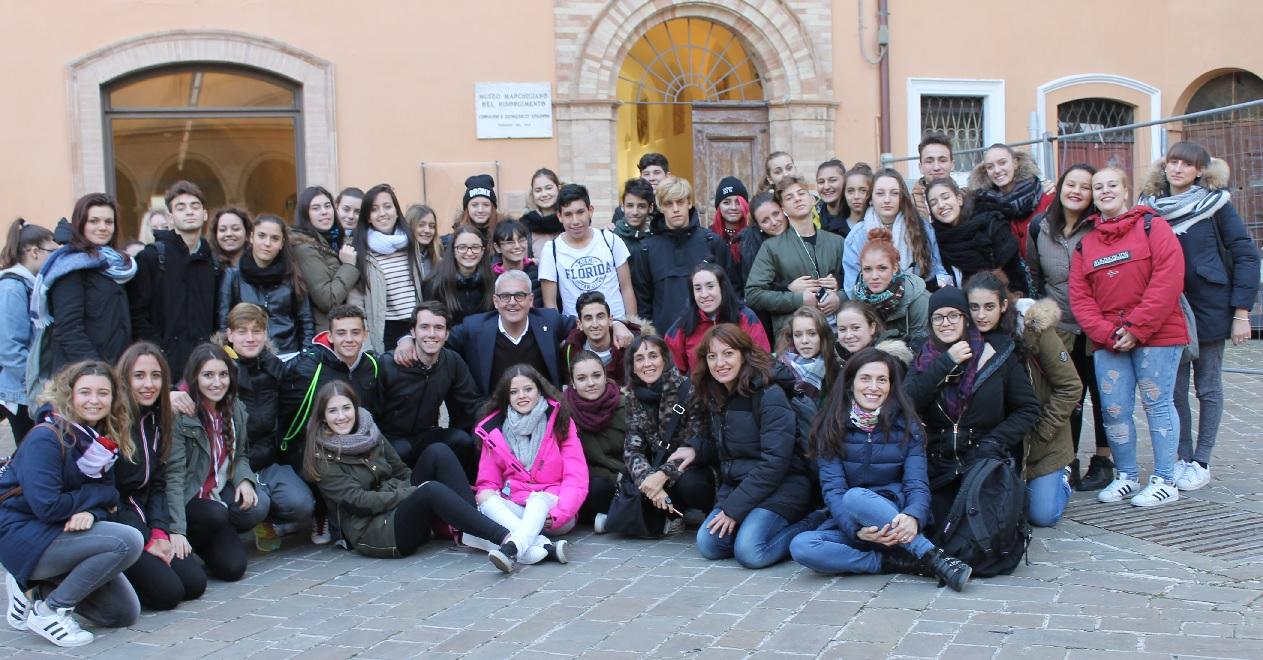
x,y
1104,150
690,91
1234,136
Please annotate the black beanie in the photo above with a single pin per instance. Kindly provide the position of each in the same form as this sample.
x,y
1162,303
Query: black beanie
x,y
949,296
729,186
479,185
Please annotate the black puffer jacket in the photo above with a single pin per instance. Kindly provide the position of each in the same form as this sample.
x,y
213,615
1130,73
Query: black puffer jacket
x,y
756,457
411,396
661,274
173,296
91,320
1002,409
258,387
290,323
305,375
142,481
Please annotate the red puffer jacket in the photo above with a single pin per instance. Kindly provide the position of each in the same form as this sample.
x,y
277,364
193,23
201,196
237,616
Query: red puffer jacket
x,y
1123,277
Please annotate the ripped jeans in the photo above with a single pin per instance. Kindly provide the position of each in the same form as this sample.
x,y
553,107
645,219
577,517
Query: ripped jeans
x,y
1152,370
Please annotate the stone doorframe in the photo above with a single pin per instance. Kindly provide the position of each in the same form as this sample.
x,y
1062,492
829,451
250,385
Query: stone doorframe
x,y
85,77
791,46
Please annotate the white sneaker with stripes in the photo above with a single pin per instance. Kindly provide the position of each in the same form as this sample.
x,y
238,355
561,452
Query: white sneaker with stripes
x,y
1157,492
19,604
1119,488
58,627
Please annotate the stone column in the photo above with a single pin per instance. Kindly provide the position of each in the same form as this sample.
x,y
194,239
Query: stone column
x,y
585,146
805,129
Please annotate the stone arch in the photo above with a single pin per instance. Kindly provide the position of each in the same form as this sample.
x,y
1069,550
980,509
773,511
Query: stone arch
x,y
87,75
594,36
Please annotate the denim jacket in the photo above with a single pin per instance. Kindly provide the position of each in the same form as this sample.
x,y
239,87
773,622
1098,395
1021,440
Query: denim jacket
x,y
16,330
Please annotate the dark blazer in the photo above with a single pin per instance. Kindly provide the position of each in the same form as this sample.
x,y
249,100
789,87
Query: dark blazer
x,y
475,340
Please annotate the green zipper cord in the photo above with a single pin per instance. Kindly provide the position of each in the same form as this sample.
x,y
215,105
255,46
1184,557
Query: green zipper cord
x,y
304,409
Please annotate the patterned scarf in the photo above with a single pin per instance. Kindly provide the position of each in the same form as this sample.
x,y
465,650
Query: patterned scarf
x,y
356,443
595,415
885,302
1186,209
808,372
864,420
525,433
959,384
1018,203
65,260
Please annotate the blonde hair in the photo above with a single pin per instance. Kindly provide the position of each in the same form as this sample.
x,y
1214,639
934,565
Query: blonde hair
x,y
117,424
671,189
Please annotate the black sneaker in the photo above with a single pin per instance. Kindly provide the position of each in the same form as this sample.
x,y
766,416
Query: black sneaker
x,y
1099,475
504,557
557,551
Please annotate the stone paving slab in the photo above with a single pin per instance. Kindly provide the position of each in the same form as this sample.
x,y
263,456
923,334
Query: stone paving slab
x,y
1087,593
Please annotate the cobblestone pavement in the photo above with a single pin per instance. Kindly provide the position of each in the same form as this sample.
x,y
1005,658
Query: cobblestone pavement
x,y
1087,593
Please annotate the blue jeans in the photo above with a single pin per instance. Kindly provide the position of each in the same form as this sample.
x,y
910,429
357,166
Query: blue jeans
x,y
762,539
836,549
292,500
1046,498
1208,377
1152,369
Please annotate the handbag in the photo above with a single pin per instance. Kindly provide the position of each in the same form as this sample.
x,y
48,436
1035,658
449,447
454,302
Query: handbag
x,y
630,512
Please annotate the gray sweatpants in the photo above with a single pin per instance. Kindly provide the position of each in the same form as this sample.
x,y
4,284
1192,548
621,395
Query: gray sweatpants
x,y
88,567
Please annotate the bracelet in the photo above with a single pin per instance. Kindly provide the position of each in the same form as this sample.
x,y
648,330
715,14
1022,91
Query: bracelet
x,y
1238,318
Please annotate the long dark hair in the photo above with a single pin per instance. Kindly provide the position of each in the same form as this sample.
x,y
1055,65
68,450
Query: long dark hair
x,y
828,341
729,303
996,282
166,418
913,230
316,421
21,237
202,354
359,240
302,218
499,398
967,201
828,431
286,255
212,230
629,361
445,282
1056,210
79,218
756,367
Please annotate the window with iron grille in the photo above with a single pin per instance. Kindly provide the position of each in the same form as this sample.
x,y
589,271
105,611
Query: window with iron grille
x,y
961,119
1094,114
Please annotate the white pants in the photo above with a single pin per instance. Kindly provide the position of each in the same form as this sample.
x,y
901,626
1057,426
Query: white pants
x,y
523,522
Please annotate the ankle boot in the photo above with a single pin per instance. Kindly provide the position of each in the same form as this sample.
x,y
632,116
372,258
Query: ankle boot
x,y
949,570
1074,474
1099,475
900,562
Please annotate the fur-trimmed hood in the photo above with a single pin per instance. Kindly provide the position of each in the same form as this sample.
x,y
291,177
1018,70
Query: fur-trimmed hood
x,y
897,349
1038,316
1214,177
1026,168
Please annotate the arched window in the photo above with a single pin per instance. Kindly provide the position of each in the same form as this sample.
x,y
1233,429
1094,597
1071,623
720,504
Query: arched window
x,y
1234,137
210,124
1099,150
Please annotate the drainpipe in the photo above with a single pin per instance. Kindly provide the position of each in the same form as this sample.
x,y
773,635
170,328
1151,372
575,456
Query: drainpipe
x,y
883,78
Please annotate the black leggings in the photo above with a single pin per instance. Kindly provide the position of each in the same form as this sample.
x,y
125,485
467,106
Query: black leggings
x,y
600,493
215,540
695,489
162,587
462,444
20,422
442,492
1086,366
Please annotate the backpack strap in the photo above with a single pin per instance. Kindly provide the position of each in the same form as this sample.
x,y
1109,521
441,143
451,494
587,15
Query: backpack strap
x,y
678,411
304,408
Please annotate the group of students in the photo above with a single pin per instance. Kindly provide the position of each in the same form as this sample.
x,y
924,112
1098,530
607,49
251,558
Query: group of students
x,y
813,375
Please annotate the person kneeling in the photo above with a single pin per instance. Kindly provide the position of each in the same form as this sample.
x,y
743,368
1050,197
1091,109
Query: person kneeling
x,y
875,481
532,476
383,508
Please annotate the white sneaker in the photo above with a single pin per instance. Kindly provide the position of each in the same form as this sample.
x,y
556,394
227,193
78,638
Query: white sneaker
x,y
1118,489
1178,472
598,523
320,531
59,627
1194,476
19,604
1157,492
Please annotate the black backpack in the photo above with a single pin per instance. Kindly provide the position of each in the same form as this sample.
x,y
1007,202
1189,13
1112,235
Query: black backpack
x,y
986,526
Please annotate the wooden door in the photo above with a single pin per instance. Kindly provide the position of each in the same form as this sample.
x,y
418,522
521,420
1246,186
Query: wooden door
x,y
728,140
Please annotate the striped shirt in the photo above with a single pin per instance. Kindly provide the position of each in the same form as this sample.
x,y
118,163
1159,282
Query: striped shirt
x,y
401,291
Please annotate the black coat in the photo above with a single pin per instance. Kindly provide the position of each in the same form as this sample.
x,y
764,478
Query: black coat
x,y
142,481
757,462
475,341
259,382
301,379
290,323
667,258
411,396
981,242
1215,289
1002,409
91,319
468,296
173,296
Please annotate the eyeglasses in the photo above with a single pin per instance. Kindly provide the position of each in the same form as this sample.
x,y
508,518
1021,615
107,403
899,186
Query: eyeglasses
x,y
516,296
512,242
467,248
940,319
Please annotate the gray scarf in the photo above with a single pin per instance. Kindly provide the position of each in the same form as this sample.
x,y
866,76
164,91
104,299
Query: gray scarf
x,y
525,433
1186,209
358,442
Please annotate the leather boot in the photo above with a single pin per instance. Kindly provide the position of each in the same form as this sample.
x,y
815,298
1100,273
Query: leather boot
x,y
1074,474
1099,475
900,562
949,570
